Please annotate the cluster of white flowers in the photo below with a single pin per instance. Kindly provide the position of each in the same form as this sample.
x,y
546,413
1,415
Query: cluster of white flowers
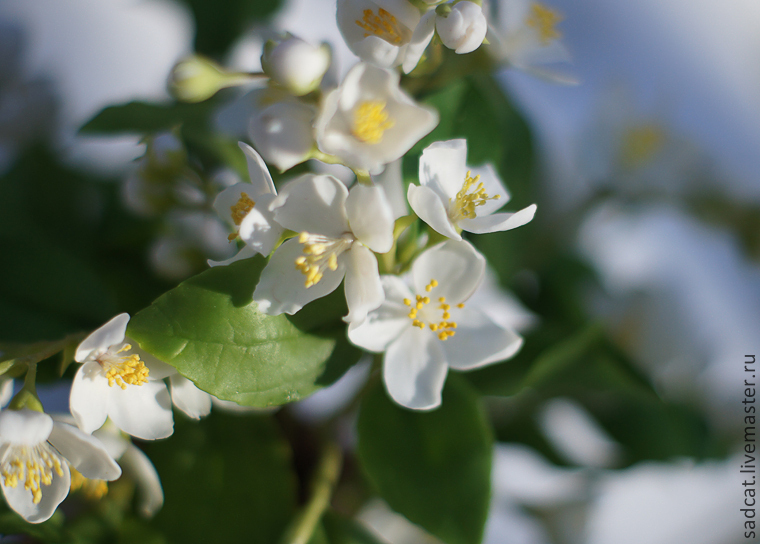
x,y
417,309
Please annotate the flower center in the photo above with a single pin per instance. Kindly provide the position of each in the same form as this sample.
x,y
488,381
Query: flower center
x,y
92,489
470,196
444,328
371,121
123,369
32,465
544,20
383,25
320,253
239,211
640,144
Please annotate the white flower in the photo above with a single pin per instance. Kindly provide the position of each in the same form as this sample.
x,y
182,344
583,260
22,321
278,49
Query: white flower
x,y
120,382
295,64
368,121
245,206
35,454
454,197
424,327
283,130
463,28
338,233
527,38
383,32
137,466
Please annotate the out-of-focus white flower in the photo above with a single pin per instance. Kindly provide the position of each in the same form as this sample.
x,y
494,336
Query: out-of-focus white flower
x,y
391,526
383,32
295,64
526,37
338,233
660,503
424,327
134,463
450,199
576,435
245,206
282,130
35,454
463,27
368,121
191,238
120,382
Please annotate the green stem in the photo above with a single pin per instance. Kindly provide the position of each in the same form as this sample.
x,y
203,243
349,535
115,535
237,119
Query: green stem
x,y
325,479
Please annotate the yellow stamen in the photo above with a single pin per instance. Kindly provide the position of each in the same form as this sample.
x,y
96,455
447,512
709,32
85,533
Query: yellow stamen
x,y
444,328
241,208
383,25
545,21
92,489
320,254
469,198
371,121
32,465
123,370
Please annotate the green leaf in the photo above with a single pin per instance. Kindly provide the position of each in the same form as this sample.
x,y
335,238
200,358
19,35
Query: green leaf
x,y
209,329
432,467
226,479
343,530
142,117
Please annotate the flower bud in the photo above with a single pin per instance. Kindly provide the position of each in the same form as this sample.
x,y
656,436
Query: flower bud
x,y
464,28
196,79
295,64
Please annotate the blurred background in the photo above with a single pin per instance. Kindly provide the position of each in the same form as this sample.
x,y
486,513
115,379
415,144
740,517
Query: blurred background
x,y
645,174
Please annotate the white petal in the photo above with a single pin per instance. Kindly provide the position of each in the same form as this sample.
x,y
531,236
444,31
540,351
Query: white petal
x,y
245,253
20,500
392,183
421,37
282,289
88,398
427,204
110,436
259,230
144,411
387,322
257,171
364,292
188,398
493,186
377,51
283,132
443,166
478,341
414,369
24,426
370,217
150,495
498,221
456,266
313,203
85,452
109,334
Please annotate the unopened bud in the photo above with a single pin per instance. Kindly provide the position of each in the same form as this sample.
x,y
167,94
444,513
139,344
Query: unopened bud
x,y
295,64
197,78
463,28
